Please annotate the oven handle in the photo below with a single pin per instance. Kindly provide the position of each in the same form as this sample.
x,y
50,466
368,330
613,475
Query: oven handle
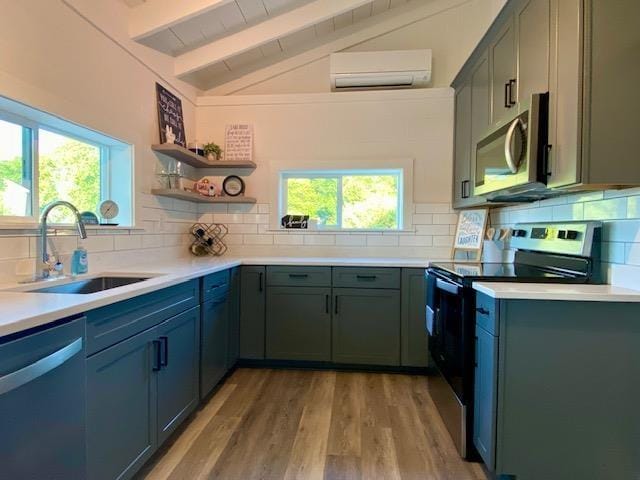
x,y
447,287
508,152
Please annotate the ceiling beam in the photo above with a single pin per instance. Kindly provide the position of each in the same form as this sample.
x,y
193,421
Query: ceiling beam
x,y
262,33
156,15
364,30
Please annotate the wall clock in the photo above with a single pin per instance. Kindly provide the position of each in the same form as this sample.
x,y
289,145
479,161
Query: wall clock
x,y
108,211
233,186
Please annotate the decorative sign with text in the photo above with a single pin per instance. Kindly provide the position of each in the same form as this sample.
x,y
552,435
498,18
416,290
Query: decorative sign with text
x,y
170,120
470,231
238,145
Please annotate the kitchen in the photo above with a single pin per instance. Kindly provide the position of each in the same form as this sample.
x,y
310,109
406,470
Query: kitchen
x,y
357,347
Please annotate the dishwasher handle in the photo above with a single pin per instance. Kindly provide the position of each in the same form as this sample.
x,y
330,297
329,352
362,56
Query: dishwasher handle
x,y
31,372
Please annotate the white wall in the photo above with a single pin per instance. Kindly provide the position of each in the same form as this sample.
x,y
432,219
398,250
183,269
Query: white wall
x,y
344,128
452,34
56,60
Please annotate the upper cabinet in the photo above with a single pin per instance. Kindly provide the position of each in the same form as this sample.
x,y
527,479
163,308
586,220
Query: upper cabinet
x,y
583,53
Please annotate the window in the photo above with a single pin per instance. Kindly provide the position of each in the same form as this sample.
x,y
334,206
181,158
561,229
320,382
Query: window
x,y
353,199
44,158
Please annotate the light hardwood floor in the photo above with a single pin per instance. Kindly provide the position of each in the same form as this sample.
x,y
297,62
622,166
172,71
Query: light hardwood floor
x,y
286,424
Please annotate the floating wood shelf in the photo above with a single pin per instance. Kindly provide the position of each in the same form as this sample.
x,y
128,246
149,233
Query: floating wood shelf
x,y
198,161
195,197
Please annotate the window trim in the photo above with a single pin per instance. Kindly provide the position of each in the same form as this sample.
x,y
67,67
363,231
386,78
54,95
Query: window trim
x,y
339,174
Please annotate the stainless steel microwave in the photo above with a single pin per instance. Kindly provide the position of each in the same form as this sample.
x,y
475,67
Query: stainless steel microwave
x,y
510,161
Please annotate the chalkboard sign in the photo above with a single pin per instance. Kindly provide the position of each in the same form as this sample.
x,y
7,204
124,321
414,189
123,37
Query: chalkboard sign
x,y
170,120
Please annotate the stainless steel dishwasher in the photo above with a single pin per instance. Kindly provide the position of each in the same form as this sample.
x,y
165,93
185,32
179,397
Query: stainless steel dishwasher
x,y
42,403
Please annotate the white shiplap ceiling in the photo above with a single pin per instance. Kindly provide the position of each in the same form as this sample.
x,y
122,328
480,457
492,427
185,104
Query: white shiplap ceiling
x,y
212,39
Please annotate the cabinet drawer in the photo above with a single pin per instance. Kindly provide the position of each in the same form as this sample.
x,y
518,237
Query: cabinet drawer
x,y
111,324
215,284
287,276
357,277
487,313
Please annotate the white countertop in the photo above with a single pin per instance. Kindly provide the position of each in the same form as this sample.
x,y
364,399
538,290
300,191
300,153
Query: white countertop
x,y
21,310
555,291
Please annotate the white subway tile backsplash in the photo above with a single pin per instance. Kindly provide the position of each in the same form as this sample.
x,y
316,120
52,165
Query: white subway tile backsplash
x,y
347,240
613,208
382,240
632,253
445,218
416,241
228,218
443,241
242,228
423,219
565,213
263,208
242,208
311,239
152,241
432,208
14,247
433,229
127,242
258,239
288,239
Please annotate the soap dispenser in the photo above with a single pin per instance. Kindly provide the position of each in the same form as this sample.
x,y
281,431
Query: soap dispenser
x,y
79,261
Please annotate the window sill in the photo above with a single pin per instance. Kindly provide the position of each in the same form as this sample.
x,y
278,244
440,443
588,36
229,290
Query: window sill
x,y
341,230
33,228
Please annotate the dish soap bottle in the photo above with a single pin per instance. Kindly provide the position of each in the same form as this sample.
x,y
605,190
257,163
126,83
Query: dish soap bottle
x,y
79,261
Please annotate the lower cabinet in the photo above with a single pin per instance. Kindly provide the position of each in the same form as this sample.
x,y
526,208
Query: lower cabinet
x,y
121,408
366,326
214,342
252,311
178,350
485,391
298,323
413,331
233,352
138,391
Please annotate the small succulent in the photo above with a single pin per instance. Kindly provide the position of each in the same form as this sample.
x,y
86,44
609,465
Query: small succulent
x,y
213,149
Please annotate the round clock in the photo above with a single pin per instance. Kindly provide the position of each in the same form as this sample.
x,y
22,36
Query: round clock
x,y
109,209
233,186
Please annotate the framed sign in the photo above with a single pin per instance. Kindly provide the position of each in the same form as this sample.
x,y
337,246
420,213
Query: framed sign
x,y
170,119
470,232
238,144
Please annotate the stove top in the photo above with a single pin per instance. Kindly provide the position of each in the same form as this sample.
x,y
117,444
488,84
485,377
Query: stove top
x,y
503,272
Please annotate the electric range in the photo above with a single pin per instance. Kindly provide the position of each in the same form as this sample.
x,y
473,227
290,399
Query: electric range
x,y
565,252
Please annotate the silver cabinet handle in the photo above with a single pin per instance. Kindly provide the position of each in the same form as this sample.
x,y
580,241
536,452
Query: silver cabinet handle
x,y
27,374
508,150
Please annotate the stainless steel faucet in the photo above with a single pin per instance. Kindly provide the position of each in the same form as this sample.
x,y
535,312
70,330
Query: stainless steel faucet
x,y
45,272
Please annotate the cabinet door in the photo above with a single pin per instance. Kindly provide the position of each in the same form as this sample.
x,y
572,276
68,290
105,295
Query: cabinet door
x,y
234,318
480,116
462,146
503,73
413,331
252,312
214,342
299,323
178,381
366,326
121,408
533,27
485,391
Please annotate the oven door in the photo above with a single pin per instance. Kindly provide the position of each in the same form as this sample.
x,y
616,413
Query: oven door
x,y
446,330
512,155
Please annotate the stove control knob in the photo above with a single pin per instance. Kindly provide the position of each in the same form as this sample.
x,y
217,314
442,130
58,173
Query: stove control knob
x,y
562,234
519,233
572,234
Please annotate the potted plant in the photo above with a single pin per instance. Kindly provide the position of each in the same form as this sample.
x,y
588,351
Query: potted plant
x,y
212,151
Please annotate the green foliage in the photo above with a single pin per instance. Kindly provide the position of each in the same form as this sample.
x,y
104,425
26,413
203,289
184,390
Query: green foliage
x,y
316,197
212,148
368,201
71,172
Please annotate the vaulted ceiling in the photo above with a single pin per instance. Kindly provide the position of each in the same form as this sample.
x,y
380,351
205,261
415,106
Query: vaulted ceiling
x,y
215,41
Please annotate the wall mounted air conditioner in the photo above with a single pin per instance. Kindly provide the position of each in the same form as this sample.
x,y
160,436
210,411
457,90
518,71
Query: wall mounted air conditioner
x,y
380,70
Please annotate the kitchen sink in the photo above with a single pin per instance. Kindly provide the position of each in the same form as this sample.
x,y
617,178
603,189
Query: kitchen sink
x,y
91,285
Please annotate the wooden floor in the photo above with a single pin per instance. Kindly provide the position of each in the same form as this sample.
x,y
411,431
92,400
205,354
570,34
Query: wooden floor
x,y
283,424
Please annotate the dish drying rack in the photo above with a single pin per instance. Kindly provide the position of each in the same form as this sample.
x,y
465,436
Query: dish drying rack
x,y
208,239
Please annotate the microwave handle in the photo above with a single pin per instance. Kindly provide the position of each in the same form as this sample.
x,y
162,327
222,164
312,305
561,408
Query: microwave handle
x,y
508,153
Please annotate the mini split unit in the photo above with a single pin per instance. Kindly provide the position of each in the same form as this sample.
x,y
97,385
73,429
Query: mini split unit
x,y
380,70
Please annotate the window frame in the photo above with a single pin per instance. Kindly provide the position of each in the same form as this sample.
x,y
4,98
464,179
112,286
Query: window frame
x,y
339,174
35,127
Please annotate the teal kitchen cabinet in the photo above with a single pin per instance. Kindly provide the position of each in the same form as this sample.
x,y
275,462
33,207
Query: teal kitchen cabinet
x,y
298,323
121,407
413,332
556,395
252,312
366,326
233,352
140,386
178,349
485,391
214,343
